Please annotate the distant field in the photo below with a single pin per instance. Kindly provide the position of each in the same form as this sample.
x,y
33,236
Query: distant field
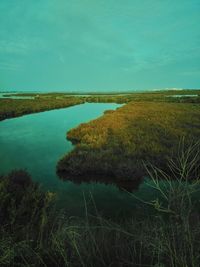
x,y
46,101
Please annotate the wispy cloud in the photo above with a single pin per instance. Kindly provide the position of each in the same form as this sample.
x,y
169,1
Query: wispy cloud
x,y
191,73
13,47
10,66
21,46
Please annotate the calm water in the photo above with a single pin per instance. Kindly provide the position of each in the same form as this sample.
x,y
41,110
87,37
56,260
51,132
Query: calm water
x,y
36,142
182,96
4,95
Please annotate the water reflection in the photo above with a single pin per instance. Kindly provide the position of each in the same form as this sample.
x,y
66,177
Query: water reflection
x,y
123,185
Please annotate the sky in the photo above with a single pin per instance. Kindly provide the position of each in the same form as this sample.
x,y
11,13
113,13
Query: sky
x,y
99,45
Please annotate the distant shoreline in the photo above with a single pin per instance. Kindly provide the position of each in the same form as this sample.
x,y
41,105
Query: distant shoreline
x,y
83,93
112,92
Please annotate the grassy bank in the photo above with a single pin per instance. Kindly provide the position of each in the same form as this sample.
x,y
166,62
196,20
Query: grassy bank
x,y
33,233
117,144
10,108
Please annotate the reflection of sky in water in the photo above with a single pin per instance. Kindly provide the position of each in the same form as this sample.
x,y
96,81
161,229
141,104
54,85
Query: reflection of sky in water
x,y
36,142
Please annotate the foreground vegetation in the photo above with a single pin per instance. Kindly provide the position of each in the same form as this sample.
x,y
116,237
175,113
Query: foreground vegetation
x,y
162,232
140,138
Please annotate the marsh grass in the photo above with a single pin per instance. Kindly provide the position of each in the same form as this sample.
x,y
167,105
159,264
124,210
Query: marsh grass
x,y
178,205
10,108
116,144
42,236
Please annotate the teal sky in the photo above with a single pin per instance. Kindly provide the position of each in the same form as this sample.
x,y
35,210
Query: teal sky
x,y
88,45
